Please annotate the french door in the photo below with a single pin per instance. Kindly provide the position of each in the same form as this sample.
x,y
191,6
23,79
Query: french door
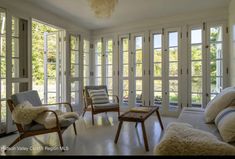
x,y
104,48
208,69
53,66
131,66
165,70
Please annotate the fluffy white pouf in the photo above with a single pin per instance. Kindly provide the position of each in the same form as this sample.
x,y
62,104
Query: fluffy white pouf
x,y
183,139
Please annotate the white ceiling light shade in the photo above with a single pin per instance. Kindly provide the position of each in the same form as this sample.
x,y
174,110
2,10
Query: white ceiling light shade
x,y
103,8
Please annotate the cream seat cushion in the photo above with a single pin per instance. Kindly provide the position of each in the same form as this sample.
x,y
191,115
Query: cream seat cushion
x,y
220,102
183,139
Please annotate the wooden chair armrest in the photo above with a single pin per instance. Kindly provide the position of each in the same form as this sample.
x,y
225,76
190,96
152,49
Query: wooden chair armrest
x,y
62,103
57,119
115,96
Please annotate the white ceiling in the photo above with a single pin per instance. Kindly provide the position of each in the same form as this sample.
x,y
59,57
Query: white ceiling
x,y
126,11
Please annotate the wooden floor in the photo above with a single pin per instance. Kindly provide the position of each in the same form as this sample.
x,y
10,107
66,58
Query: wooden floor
x,y
92,140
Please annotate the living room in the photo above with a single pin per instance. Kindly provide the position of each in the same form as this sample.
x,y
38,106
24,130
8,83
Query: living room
x,y
175,57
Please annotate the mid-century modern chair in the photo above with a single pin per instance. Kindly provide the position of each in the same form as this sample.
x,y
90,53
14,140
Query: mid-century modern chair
x,y
90,105
35,128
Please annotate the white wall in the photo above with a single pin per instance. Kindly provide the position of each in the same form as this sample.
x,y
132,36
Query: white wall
x,y
25,10
232,41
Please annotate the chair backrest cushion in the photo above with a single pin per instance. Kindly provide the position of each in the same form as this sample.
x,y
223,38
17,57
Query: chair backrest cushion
x,y
31,96
87,88
98,96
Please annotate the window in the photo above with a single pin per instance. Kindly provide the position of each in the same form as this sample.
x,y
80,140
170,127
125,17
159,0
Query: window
x,y
86,62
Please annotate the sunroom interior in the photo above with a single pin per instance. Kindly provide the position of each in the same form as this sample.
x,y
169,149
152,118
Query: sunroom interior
x,y
167,54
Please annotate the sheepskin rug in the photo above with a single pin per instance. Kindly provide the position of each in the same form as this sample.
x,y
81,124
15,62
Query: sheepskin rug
x,y
25,113
183,139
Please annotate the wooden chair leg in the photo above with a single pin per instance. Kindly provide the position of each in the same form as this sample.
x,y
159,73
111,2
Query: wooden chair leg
x,y
83,113
61,140
118,113
93,122
75,130
14,142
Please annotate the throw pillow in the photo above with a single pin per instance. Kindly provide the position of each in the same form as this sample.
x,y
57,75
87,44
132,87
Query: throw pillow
x,y
225,122
98,96
220,102
183,139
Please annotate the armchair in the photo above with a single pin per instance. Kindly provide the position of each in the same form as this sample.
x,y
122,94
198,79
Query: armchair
x,y
35,128
90,105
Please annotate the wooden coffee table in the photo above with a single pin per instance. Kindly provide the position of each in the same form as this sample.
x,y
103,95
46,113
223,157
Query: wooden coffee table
x,y
138,117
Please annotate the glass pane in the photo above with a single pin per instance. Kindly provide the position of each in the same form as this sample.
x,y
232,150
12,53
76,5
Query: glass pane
x,y
19,87
15,27
15,68
86,81
139,57
3,89
3,112
75,86
216,84
125,58
138,70
109,46
216,68
98,81
138,85
158,85
138,43
138,97
51,98
73,97
196,100
74,57
86,47
86,72
125,85
196,85
196,36
74,43
109,83
2,23
109,58
3,46
216,34
125,96
52,45
173,54
196,52
125,44
216,51
51,71
98,59
86,59
157,98
98,47
125,70
3,67
173,39
157,55
51,85
173,86
109,71
157,41
173,69
173,99
196,68
158,70
15,47
98,71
